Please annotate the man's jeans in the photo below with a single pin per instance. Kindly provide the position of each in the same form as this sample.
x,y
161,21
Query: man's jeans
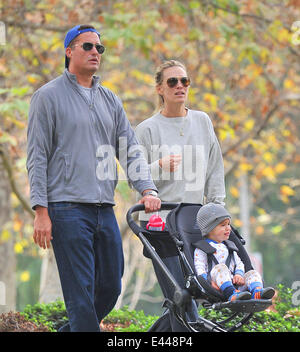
x,y
88,250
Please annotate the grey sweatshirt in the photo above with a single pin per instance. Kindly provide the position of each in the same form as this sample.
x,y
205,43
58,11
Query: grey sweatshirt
x,y
200,176
73,144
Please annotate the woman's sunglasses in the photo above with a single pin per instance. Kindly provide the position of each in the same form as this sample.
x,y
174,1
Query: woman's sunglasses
x,y
173,81
89,46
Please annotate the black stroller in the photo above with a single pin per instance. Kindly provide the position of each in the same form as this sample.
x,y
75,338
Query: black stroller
x,y
181,239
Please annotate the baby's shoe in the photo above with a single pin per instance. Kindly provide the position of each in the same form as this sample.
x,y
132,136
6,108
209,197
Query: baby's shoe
x,y
263,293
241,296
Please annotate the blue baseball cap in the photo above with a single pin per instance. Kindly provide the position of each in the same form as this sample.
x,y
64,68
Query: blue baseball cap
x,y
73,33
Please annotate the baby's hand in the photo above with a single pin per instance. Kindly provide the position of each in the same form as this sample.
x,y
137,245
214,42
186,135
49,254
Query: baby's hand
x,y
214,285
238,280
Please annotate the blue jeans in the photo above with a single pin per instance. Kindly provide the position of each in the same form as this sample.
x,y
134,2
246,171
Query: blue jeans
x,y
88,250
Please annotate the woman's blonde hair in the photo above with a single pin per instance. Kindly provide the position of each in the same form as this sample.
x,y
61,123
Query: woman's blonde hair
x,y
159,75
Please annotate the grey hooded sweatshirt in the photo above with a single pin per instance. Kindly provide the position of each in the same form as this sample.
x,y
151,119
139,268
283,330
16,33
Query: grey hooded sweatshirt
x,y
73,144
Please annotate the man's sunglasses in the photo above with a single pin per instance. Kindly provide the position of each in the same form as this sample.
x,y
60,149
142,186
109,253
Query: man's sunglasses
x,y
173,81
89,46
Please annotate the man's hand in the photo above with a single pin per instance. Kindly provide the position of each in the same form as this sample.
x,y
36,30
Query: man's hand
x,y
42,227
151,203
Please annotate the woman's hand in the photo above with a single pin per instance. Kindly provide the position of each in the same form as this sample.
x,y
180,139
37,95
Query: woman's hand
x,y
170,163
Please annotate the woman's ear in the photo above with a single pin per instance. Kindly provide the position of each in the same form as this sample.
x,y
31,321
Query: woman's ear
x,y
159,89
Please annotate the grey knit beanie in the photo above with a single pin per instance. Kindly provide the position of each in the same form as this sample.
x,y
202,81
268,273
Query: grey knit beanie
x,y
209,216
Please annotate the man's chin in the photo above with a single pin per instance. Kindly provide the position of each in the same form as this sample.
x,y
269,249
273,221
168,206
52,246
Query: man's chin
x,y
91,69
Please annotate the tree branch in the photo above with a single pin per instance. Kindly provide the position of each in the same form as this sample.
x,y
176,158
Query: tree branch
x,y
31,25
7,166
254,133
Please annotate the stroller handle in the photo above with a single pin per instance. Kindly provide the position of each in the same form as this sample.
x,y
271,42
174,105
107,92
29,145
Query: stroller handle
x,y
139,207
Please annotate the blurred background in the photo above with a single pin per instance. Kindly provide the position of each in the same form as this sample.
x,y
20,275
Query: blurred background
x,y
243,58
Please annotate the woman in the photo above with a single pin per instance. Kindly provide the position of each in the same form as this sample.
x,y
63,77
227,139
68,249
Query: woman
x,y
184,156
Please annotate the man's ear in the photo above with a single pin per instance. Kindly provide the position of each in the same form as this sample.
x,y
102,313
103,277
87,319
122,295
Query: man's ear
x,y
69,52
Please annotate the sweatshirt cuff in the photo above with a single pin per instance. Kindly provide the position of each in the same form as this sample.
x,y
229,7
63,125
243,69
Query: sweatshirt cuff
x,y
36,202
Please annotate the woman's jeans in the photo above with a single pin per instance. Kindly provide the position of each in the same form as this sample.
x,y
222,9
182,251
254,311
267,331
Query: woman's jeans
x,y
88,250
168,322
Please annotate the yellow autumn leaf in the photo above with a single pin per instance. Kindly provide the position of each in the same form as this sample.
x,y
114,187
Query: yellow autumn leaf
x,y
212,99
218,48
254,70
18,248
245,166
287,190
222,134
31,79
249,125
109,85
17,225
285,199
276,229
261,211
234,192
286,133
49,17
237,223
268,157
283,35
207,83
280,168
264,54
268,172
204,68
141,76
25,276
288,84
5,235
256,144
192,95
44,44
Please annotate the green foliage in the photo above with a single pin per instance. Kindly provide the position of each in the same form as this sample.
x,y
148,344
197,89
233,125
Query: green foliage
x,y
137,320
52,315
285,318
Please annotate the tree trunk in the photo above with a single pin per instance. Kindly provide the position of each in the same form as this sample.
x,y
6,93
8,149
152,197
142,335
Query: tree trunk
x,y
7,254
245,210
50,288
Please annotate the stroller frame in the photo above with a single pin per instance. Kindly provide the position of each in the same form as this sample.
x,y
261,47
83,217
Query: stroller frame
x,y
196,287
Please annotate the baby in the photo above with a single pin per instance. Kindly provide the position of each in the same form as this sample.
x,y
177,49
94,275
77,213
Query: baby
x,y
214,223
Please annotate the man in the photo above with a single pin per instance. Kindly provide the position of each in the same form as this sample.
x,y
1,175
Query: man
x,y
76,129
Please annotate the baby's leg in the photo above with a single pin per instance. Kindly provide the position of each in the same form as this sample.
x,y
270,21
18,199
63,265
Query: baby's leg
x,y
220,275
254,283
